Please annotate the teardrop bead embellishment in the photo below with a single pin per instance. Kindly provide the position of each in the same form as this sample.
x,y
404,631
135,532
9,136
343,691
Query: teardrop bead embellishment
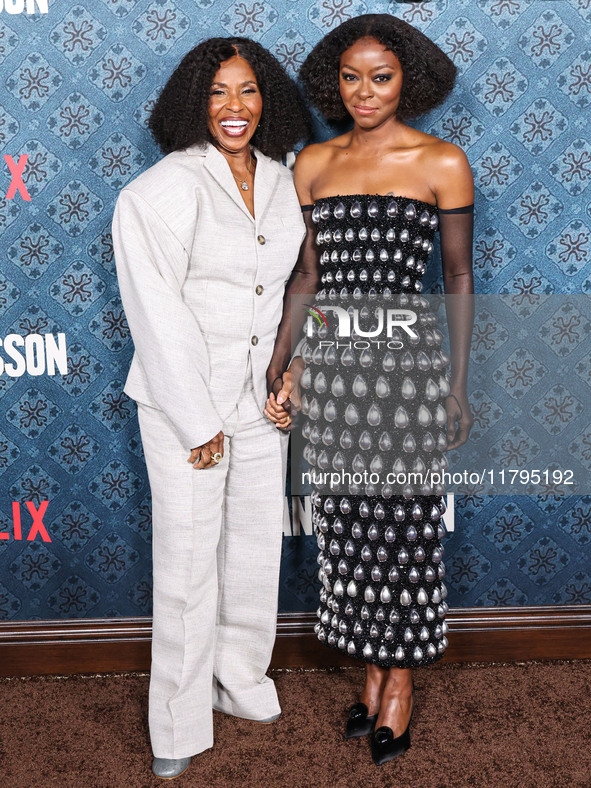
x,y
374,416
320,383
392,208
356,210
359,387
388,361
401,419
338,386
385,443
407,362
431,390
382,387
339,211
330,411
408,389
351,414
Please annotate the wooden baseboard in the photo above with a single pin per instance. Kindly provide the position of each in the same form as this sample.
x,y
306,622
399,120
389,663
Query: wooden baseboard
x,y
475,634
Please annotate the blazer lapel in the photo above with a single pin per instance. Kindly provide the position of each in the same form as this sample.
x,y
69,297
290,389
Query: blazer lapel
x,y
218,167
265,178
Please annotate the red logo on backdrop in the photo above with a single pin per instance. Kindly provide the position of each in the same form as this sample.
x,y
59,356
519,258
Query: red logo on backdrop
x,y
16,170
37,526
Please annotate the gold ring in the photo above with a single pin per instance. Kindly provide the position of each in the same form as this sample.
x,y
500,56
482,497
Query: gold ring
x,y
216,457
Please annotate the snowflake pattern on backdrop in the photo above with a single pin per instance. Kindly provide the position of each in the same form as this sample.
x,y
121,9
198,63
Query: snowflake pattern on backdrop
x,y
79,83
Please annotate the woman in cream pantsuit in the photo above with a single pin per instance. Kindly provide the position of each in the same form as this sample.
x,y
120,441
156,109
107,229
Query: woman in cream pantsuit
x,y
205,242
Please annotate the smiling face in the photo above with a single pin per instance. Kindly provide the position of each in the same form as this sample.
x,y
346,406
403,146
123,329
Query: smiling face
x,y
235,105
370,80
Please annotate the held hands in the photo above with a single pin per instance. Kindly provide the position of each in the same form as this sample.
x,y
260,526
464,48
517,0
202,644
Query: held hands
x,y
458,410
206,456
285,395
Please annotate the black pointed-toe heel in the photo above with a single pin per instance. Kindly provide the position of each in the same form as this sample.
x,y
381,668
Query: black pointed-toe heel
x,y
384,747
359,722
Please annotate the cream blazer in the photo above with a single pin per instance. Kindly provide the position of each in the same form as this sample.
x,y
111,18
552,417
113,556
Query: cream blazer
x,y
202,282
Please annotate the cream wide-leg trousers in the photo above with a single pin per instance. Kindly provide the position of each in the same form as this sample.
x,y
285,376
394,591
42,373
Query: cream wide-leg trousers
x,y
216,554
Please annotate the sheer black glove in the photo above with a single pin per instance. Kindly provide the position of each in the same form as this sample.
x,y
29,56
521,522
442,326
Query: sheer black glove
x,y
456,228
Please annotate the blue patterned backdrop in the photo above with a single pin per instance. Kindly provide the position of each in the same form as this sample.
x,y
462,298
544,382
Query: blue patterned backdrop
x,y
76,86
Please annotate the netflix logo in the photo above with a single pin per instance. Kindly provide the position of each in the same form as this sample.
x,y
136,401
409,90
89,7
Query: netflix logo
x,y
36,527
16,169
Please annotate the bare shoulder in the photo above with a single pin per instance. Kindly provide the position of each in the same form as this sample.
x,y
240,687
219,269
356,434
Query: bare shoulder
x,y
450,174
445,154
313,156
303,173
309,162
438,153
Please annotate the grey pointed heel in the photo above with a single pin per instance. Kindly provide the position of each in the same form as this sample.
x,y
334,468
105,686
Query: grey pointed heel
x,y
268,720
168,768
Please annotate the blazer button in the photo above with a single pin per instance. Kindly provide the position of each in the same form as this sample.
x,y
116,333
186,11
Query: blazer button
x,y
254,340
261,239
259,289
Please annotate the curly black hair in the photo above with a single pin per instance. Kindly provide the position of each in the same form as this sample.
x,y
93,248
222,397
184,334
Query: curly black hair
x,y
428,74
180,117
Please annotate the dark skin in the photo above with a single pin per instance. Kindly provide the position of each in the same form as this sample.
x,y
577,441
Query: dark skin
x,y
235,108
382,155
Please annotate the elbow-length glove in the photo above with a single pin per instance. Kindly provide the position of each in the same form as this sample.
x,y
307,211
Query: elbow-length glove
x,y
456,228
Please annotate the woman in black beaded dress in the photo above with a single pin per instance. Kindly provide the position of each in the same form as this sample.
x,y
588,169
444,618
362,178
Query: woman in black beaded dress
x,y
373,199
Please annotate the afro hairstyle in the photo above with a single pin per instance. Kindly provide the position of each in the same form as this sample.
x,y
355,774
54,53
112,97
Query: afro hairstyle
x,y
180,116
428,74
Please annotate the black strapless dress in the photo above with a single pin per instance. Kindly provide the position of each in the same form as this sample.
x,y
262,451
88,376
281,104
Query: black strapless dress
x,y
383,599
